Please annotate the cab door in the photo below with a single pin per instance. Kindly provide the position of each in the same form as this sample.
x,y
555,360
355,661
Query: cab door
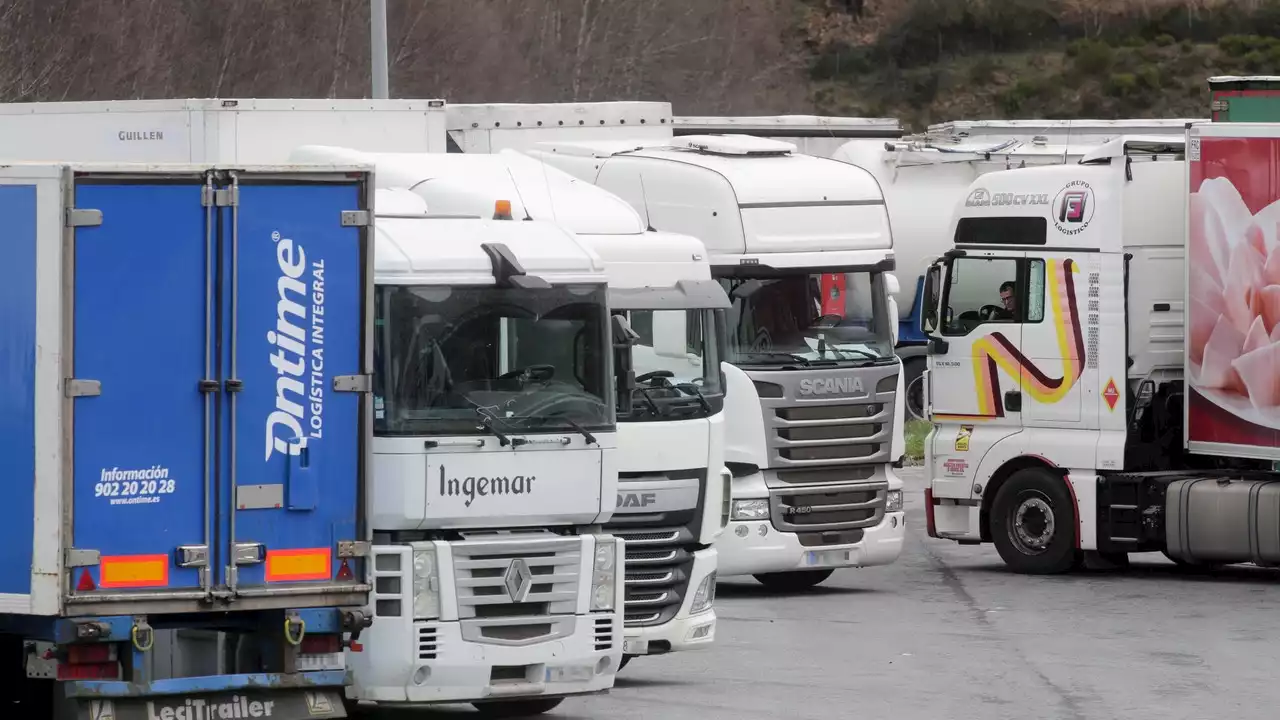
x,y
1053,343
976,359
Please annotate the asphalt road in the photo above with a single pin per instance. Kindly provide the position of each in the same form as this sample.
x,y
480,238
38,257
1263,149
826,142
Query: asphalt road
x,y
946,632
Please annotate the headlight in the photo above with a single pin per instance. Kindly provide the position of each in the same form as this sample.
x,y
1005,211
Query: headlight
x,y
604,557
705,595
750,510
426,583
893,501
603,583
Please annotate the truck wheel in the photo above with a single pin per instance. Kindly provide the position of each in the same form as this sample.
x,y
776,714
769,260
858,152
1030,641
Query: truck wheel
x,y
1033,523
913,385
517,708
793,581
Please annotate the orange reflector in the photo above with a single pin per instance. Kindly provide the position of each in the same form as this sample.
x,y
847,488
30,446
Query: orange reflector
x,y
133,571
85,584
296,565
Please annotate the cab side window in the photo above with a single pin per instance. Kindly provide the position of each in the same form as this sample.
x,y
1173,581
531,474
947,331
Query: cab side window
x,y
992,290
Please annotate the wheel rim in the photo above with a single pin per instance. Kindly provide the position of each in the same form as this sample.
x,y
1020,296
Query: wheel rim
x,y
915,398
1031,527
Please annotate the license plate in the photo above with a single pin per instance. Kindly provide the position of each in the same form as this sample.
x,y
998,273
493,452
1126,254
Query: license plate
x,y
819,558
635,647
570,673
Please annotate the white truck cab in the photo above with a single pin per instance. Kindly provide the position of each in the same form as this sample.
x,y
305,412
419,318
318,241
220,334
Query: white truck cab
x,y
673,488
494,405
814,414
1041,340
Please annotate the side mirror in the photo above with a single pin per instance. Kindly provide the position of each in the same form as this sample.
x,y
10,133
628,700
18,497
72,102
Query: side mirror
x,y
929,300
670,334
623,335
624,373
746,289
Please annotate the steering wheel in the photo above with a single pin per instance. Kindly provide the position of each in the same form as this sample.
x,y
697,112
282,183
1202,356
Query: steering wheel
x,y
655,374
537,373
986,312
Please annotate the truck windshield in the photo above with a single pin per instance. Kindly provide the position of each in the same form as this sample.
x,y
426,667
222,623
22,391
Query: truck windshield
x,y
804,318
677,364
452,360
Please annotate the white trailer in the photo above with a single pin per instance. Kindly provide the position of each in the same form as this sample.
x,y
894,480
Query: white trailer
x,y
811,134
673,490
213,130
814,415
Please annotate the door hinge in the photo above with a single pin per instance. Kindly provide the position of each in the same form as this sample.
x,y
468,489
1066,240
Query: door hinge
x,y
353,383
74,558
219,197
353,548
75,387
356,218
82,217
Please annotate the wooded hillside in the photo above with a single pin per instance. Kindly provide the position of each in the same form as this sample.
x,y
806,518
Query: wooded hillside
x,y
921,60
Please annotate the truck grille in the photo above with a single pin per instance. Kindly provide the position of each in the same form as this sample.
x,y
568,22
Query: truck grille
x,y
486,572
823,509
658,566
809,430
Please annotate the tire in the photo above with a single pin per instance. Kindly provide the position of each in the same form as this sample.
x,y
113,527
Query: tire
x,y
793,581
913,385
1033,523
517,708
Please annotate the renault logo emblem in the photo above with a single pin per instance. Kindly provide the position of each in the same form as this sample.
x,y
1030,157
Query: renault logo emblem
x,y
517,578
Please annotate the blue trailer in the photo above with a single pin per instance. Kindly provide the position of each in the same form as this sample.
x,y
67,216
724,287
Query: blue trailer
x,y
185,354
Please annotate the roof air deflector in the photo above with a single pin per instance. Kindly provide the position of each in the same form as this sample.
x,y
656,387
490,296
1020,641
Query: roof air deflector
x,y
739,145
507,271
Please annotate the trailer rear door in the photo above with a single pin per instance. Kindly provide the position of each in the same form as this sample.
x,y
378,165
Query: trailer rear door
x,y
219,356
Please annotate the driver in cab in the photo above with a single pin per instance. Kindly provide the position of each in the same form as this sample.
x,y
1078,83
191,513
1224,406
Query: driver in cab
x,y
1008,298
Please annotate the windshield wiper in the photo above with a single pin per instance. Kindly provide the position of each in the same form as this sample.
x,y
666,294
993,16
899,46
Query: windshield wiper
x,y
591,439
694,391
486,423
648,401
823,346
776,354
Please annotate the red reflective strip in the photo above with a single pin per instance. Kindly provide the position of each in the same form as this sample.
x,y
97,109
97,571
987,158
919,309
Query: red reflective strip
x,y
298,564
133,571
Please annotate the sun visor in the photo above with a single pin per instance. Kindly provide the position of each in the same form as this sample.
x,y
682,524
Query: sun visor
x,y
686,295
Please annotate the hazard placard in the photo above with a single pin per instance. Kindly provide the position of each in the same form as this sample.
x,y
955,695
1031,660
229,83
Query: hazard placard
x,y
1111,394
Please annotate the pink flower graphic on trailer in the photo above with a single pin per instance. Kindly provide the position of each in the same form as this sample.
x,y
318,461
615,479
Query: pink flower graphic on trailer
x,y
1233,308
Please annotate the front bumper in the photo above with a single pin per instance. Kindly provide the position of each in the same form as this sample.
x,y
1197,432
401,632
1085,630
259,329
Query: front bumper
x,y
685,631
751,547
434,664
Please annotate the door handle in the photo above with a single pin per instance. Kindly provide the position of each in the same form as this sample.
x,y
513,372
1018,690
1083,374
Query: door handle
x,y
1013,401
